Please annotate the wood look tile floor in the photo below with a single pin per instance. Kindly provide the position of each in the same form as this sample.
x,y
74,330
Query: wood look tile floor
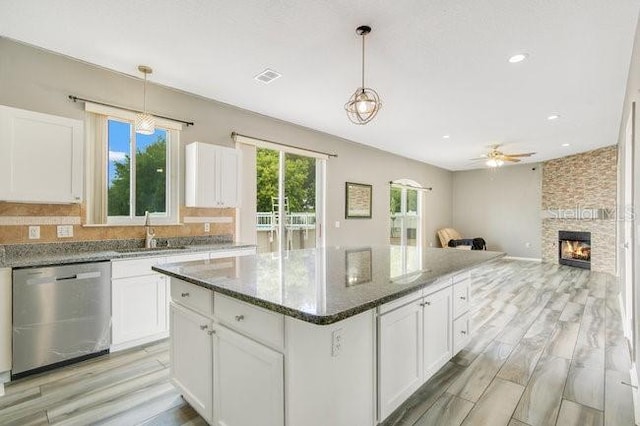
x,y
547,349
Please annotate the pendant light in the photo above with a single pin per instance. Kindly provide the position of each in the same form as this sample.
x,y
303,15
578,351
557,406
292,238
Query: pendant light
x,y
145,123
365,103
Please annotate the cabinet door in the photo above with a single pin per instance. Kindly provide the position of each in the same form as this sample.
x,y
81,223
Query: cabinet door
x,y
139,307
227,189
437,331
400,356
192,359
40,157
200,175
248,381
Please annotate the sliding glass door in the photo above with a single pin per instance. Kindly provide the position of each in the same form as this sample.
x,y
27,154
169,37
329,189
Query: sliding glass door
x,y
288,194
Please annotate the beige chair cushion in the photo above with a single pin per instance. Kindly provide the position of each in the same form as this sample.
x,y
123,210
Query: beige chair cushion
x,y
448,234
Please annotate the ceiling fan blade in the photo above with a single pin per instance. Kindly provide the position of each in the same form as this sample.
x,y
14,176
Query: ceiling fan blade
x,y
513,160
527,154
478,159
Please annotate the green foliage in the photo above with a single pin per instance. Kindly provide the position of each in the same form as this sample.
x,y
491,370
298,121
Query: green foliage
x,y
300,177
151,164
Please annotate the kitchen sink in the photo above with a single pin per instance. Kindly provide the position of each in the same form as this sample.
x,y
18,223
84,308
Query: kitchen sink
x,y
151,249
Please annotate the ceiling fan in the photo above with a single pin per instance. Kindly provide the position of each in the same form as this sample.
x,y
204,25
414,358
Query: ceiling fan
x,y
496,158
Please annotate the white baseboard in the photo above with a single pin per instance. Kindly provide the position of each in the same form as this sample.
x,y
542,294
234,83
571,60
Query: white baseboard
x,y
528,259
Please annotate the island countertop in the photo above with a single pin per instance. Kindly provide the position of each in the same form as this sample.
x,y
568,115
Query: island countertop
x,y
326,285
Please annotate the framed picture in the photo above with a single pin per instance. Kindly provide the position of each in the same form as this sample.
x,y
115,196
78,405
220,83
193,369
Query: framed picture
x,y
357,201
358,267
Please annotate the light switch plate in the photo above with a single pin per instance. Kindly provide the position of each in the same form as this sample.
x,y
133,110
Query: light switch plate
x,y
34,232
207,227
65,231
336,342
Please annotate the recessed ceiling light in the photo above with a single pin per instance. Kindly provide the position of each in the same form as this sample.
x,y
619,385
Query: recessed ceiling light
x,y
518,58
446,136
553,117
267,76
566,144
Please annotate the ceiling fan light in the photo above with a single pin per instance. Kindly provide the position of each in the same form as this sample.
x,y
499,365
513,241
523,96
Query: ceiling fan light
x,y
492,163
145,124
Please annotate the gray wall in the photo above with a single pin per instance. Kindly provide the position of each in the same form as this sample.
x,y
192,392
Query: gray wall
x,y
38,80
502,206
632,96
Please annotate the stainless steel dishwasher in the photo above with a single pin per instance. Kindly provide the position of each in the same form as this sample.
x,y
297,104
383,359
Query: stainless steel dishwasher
x,y
61,314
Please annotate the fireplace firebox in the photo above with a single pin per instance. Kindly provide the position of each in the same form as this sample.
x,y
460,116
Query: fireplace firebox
x,y
574,249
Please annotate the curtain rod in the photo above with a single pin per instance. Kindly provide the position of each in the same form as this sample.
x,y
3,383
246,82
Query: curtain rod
x,y
420,188
77,98
234,134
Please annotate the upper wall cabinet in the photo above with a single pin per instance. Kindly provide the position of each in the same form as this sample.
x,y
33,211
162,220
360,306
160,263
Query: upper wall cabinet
x,y
41,157
211,176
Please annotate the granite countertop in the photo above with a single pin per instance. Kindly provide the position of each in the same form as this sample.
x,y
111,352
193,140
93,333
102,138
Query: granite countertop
x,y
326,285
28,255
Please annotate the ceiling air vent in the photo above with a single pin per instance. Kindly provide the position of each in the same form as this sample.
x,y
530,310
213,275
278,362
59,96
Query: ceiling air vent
x,y
267,76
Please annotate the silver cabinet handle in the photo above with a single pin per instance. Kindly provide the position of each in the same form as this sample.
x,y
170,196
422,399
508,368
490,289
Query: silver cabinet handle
x,y
211,332
239,317
204,327
184,294
463,298
427,303
463,332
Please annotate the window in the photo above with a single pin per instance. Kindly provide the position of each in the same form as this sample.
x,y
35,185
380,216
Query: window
x,y
405,214
128,173
137,171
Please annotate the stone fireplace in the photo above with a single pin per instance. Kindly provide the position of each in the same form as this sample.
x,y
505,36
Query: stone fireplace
x,y
574,249
579,196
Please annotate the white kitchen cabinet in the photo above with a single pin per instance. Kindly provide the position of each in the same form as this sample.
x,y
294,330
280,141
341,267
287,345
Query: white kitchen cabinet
x,y
139,310
248,381
191,350
41,157
437,328
400,357
211,175
461,332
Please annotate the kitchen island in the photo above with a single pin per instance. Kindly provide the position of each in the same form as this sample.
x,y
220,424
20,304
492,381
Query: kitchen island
x,y
338,336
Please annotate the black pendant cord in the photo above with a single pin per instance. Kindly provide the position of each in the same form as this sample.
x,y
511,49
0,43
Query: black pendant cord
x,y
363,36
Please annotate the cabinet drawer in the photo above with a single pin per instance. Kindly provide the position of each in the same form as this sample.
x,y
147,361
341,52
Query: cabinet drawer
x,y
188,257
192,296
461,293
255,322
404,300
234,252
461,333
134,267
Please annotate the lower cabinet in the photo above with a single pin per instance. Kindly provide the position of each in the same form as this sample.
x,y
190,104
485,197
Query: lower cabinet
x,y
400,357
437,316
414,341
191,351
139,309
248,381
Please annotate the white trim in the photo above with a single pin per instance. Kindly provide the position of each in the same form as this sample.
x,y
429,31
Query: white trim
x,y
207,219
634,392
39,220
128,115
259,143
528,259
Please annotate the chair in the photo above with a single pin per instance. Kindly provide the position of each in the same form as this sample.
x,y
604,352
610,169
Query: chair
x,y
448,234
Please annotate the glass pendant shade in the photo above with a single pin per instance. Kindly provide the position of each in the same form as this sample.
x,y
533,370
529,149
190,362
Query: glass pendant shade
x,y
145,124
363,105
492,162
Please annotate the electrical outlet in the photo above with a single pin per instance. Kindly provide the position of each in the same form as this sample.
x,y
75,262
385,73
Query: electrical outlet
x,y
207,227
336,342
527,244
34,232
65,231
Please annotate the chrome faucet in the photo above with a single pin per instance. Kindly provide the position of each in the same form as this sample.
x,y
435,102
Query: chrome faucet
x,y
150,240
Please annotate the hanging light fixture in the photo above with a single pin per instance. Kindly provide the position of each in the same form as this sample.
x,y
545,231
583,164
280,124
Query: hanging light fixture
x,y
145,123
365,103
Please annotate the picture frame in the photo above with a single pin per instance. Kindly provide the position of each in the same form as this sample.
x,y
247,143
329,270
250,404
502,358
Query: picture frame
x,y
358,197
358,266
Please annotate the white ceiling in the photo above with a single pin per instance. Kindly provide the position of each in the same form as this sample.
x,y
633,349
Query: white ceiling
x,y
440,66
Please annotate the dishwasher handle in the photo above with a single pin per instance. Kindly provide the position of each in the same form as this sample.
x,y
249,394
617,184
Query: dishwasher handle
x,y
81,276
